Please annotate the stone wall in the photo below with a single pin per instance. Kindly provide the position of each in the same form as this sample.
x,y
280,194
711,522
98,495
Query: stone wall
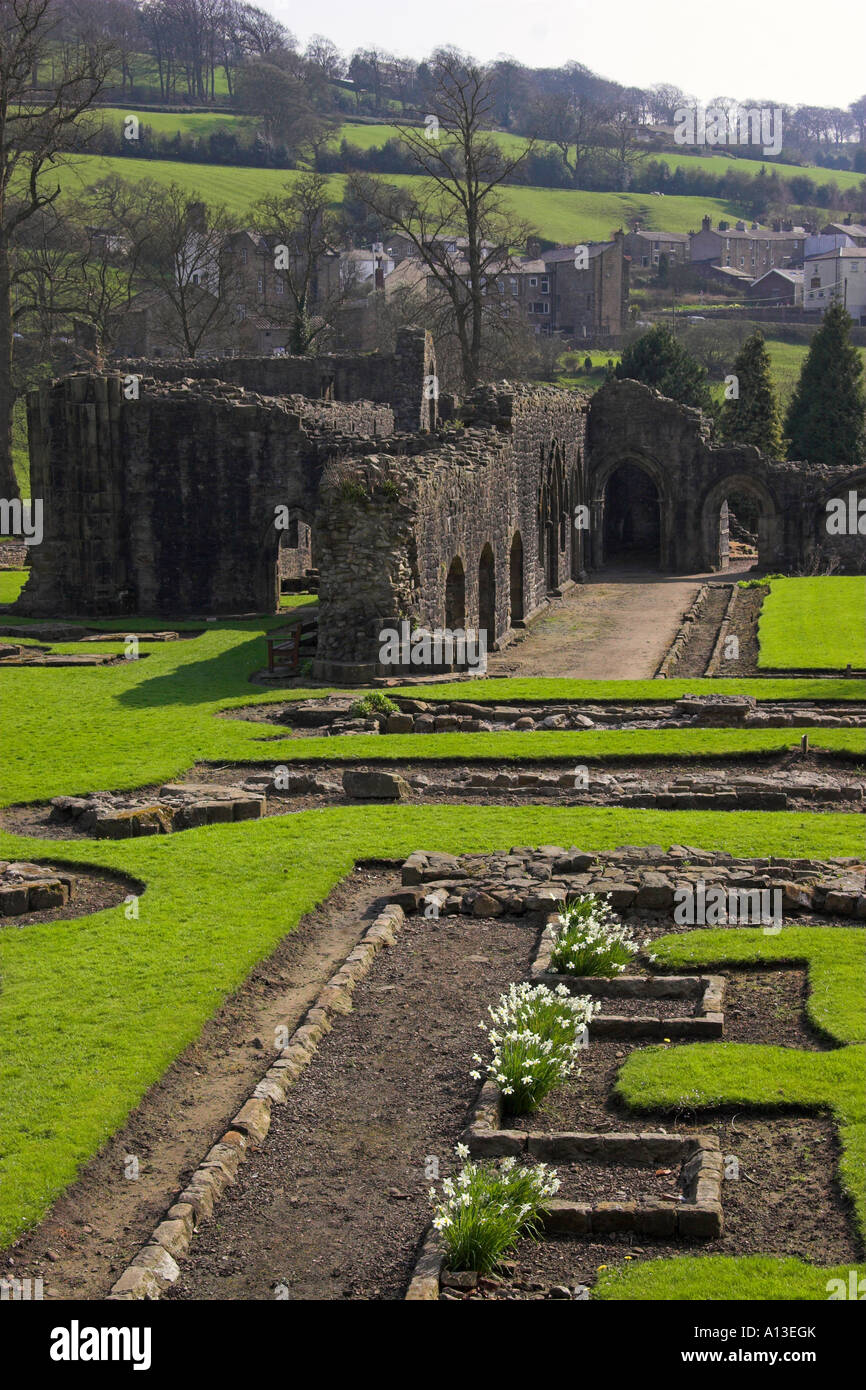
x,y
400,379
167,503
631,424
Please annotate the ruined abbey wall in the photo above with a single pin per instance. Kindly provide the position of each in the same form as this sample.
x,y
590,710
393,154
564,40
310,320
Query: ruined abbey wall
x,y
167,502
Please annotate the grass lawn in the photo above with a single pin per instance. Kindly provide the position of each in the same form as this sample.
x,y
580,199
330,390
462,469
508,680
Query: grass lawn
x,y
818,623
162,710
11,584
718,1278
699,1077
160,714
559,214
119,999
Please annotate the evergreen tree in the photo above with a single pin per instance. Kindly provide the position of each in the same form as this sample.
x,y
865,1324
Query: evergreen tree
x,y
658,360
753,416
826,420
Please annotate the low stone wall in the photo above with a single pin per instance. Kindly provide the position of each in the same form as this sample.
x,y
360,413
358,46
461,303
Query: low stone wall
x,y
32,888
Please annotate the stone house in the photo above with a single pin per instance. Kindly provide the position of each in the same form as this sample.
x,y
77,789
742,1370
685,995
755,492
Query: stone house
x,y
837,277
752,249
646,248
778,286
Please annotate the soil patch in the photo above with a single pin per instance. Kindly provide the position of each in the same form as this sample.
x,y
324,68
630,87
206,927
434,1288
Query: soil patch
x,y
99,1222
91,892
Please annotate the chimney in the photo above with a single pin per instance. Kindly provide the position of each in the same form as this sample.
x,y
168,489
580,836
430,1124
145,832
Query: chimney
x,y
723,226
707,224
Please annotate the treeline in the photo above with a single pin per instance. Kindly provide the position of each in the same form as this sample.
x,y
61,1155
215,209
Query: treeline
x,y
196,50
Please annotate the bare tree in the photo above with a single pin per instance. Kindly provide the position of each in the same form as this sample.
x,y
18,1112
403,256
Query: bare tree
x,y
574,124
187,259
34,135
299,225
458,220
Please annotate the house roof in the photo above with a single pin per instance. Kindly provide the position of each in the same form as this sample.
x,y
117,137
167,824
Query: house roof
x,y
849,228
848,253
566,253
661,236
732,272
755,233
795,276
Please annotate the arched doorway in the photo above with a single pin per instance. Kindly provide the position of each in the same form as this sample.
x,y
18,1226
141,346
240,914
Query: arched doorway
x,y
295,556
740,525
455,596
515,579
632,518
487,594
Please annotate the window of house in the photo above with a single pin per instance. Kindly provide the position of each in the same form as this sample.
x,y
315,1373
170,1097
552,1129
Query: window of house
x,y
260,284
241,310
280,286
644,260
533,282
515,286
545,287
243,255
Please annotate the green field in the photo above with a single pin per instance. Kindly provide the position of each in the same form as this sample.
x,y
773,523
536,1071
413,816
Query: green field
x,y
559,215
120,998
200,123
817,624
371,137
11,584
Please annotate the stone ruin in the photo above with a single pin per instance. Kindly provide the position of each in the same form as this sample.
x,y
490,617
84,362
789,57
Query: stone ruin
x,y
404,505
32,888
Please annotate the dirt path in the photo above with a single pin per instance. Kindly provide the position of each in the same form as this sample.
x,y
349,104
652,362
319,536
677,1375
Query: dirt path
x,y
616,627
102,1219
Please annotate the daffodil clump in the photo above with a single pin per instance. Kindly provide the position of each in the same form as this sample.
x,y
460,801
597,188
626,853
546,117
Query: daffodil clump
x,y
590,940
483,1211
536,1037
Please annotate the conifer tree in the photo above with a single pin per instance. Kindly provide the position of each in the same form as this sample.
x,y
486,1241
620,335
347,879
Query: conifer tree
x,y
826,420
658,359
752,416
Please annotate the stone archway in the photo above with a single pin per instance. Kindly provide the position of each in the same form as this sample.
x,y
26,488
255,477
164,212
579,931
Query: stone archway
x,y
648,532
515,579
715,519
632,517
552,518
487,594
455,595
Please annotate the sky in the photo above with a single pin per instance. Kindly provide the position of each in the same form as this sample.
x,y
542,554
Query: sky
x,y
804,55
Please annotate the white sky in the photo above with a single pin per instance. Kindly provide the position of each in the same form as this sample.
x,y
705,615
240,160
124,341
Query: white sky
x,y
804,54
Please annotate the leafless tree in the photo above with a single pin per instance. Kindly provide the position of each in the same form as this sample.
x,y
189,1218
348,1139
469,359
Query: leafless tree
x,y
35,133
456,216
299,226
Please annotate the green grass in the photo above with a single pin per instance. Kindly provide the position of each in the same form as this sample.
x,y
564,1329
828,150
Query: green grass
x,y
501,690
119,999
700,1077
201,123
719,1278
369,137
20,453
558,214
815,623
160,714
833,957
11,584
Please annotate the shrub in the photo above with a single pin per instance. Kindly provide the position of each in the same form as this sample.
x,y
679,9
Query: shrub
x,y
590,941
536,1036
487,1207
374,703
